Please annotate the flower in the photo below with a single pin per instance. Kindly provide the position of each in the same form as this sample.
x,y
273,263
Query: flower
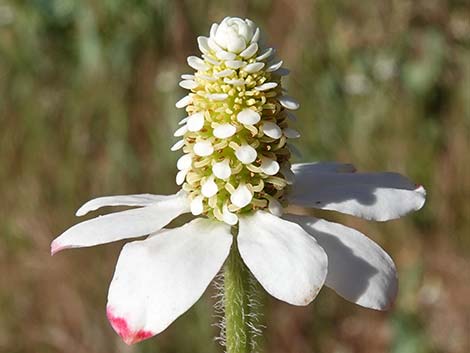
x,y
237,178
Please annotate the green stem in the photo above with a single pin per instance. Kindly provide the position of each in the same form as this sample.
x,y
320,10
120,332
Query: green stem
x,y
236,299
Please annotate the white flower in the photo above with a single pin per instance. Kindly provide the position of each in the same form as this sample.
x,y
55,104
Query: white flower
x,y
243,178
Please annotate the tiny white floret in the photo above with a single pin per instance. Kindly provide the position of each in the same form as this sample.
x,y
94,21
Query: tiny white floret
x,y
209,187
269,166
224,131
184,162
195,122
289,103
183,102
203,148
248,116
272,130
242,196
178,145
246,154
222,169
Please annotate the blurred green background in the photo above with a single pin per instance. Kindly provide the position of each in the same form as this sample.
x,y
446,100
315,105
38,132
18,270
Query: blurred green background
x,y
87,93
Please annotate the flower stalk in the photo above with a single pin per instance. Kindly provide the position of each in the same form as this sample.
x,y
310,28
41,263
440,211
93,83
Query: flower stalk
x,y
236,304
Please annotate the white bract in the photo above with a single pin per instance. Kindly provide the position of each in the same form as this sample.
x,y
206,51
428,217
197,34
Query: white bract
x,y
236,172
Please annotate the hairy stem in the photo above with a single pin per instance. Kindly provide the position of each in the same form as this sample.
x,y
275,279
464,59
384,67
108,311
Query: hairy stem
x,y
236,304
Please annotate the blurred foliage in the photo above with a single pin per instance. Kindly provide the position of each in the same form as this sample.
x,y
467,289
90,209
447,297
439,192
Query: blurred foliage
x,y
87,92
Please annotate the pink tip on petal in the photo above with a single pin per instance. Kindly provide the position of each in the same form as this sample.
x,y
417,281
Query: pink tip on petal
x,y
420,188
56,247
121,327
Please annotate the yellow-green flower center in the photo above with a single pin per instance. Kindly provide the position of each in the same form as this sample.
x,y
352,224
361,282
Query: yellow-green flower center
x,y
234,138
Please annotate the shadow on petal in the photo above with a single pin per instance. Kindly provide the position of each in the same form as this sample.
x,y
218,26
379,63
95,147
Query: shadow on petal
x,y
375,196
358,269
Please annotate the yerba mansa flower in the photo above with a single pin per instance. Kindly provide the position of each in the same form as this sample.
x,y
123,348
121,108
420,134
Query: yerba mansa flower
x,y
236,177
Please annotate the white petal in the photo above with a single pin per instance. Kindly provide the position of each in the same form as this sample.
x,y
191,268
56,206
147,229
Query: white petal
x,y
197,63
289,103
220,36
183,102
246,154
225,55
184,162
222,169
206,77
213,45
269,166
181,176
291,133
374,196
213,30
255,36
203,44
196,121
265,54
224,131
209,188
210,59
235,64
229,217
249,51
217,96
272,130
119,200
266,86
121,225
236,44
158,279
181,131
188,76
224,73
188,84
358,269
242,196
254,67
245,28
248,117
197,206
177,145
286,260
203,148
274,66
